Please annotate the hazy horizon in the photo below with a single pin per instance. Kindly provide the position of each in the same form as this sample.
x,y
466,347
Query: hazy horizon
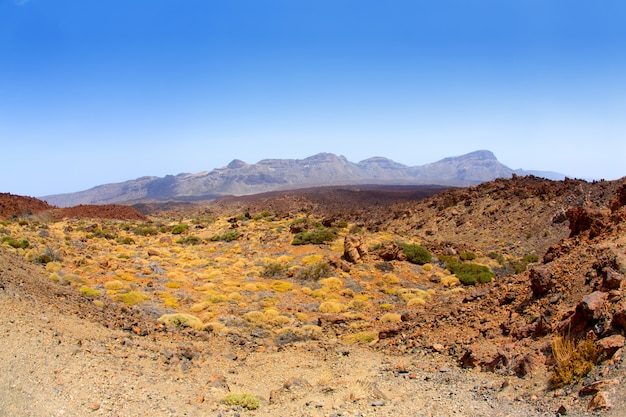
x,y
94,93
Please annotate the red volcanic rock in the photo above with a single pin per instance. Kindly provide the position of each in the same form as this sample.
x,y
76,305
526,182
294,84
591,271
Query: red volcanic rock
x,y
107,211
354,248
619,200
592,304
582,219
16,206
611,279
611,344
541,280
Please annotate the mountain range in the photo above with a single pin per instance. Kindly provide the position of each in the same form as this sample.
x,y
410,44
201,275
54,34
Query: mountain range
x,y
323,169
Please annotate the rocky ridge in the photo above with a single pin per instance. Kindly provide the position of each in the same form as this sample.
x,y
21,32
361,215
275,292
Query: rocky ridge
x,y
324,169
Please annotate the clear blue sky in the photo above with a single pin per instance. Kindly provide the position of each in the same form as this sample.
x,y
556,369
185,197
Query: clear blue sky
x,y
95,92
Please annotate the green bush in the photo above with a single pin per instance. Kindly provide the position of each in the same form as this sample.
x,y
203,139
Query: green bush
x,y
226,237
189,240
469,273
530,258
144,230
416,254
315,237
468,256
14,243
179,228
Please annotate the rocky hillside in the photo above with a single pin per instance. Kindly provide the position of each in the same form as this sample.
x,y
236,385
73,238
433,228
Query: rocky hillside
x,y
506,296
240,178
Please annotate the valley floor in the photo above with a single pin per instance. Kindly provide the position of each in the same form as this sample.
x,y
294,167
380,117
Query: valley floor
x,y
53,363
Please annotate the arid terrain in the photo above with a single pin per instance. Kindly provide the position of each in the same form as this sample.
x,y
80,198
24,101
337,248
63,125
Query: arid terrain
x,y
502,299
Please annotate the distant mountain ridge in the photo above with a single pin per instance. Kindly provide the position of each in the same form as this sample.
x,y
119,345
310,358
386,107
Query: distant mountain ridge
x,y
241,178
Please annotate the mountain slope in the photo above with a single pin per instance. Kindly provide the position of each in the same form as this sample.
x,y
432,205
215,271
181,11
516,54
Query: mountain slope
x,y
241,178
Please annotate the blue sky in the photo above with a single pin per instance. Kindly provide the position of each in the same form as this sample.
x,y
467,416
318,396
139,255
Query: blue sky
x,y
95,92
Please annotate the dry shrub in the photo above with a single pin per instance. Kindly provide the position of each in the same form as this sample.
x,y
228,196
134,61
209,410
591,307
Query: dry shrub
x,y
391,279
196,308
450,281
131,298
332,283
359,305
573,359
247,401
332,307
391,318
416,302
362,337
182,320
282,286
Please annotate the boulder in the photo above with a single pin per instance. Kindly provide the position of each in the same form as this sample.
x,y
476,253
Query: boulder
x,y
529,363
389,251
354,248
611,279
619,317
600,401
611,344
541,280
592,304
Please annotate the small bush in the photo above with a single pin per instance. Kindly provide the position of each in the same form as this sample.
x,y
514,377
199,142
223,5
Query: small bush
x,y
179,228
416,254
226,237
573,360
332,307
247,401
274,269
89,292
132,297
181,320
467,256
315,237
282,286
362,337
468,273
14,243
315,271
391,318
189,240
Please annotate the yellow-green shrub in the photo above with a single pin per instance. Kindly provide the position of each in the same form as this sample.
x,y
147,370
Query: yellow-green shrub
x,y
332,307
181,320
391,318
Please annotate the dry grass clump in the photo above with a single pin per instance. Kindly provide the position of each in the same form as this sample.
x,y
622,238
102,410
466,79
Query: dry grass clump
x,y
406,294
573,359
182,320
